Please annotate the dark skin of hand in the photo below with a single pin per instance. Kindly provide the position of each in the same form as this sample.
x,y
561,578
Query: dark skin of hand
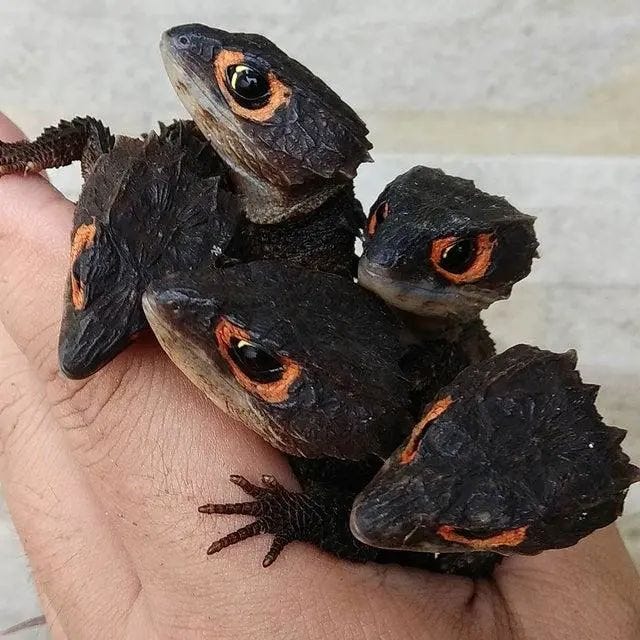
x,y
103,478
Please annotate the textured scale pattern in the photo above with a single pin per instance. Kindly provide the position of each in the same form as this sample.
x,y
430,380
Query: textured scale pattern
x,y
322,241
153,213
56,147
315,516
519,455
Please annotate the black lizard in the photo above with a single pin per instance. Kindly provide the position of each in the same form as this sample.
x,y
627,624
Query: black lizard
x,y
440,250
319,377
161,204
512,457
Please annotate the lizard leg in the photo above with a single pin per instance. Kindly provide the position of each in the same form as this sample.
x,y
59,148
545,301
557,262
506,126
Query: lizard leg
x,y
80,139
317,516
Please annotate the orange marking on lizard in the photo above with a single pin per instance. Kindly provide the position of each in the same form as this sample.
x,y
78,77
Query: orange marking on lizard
x,y
436,409
380,214
484,244
509,538
272,392
83,239
280,93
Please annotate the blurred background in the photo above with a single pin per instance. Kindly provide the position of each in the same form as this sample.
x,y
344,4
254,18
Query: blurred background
x,y
536,100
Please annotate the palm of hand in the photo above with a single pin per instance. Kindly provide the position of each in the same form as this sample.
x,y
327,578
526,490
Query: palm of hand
x,y
103,479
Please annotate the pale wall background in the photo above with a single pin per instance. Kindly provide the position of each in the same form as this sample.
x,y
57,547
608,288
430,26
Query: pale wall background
x,y
534,99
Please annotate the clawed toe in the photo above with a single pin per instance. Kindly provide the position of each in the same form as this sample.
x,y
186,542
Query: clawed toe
x,y
253,529
278,544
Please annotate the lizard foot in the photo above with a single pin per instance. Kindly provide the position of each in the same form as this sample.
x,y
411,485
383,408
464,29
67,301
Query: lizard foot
x,y
316,517
275,509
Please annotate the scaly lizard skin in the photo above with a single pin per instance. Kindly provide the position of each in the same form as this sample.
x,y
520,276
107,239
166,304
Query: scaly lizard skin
x,y
512,457
148,207
162,204
440,251
311,362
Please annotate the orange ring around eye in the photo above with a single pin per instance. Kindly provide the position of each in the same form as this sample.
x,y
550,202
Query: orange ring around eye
x,y
372,224
436,409
484,244
280,94
273,392
83,239
509,538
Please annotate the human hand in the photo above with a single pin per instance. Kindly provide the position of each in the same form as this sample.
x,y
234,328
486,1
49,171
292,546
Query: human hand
x,y
103,478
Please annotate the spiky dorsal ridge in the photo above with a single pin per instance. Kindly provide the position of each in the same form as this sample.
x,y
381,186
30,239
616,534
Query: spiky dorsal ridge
x,y
530,407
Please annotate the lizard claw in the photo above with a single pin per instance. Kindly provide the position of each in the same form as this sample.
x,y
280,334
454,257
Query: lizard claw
x,y
278,544
244,533
271,482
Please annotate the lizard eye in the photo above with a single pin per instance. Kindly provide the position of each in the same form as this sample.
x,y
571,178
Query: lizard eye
x,y
251,93
255,362
462,260
81,246
249,86
458,257
377,217
260,371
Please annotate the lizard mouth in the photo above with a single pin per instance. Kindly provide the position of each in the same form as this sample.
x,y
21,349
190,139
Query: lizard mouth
x,y
420,296
192,354
193,83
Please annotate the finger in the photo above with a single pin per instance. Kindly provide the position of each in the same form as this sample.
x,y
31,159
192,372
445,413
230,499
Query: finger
x,y
593,585
86,574
35,222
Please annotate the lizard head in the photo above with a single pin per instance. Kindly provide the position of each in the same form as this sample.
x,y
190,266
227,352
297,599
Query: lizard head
x,y
158,216
437,246
308,360
267,115
511,457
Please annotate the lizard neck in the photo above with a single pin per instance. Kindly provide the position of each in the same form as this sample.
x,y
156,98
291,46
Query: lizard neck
x,y
449,327
322,240
468,332
266,203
